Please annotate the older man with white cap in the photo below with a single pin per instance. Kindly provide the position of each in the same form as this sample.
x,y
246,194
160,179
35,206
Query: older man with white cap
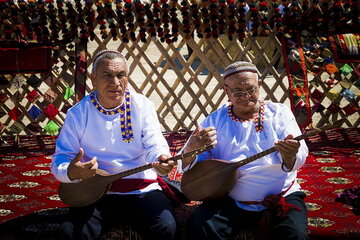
x,y
266,194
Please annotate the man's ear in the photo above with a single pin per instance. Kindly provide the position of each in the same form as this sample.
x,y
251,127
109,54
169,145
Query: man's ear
x,y
92,78
223,85
226,91
259,82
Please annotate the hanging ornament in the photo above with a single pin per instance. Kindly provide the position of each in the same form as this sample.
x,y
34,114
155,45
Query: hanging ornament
x,y
34,112
52,128
16,128
129,19
350,109
231,19
174,21
68,92
349,95
334,108
317,95
332,94
165,19
299,91
346,69
32,96
331,82
51,111
195,14
331,68
186,19
14,113
17,81
254,19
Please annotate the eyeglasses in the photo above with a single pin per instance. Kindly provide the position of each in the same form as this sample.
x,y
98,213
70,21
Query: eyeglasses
x,y
240,93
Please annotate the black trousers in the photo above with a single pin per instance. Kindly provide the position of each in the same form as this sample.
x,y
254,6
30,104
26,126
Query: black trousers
x,y
223,219
150,213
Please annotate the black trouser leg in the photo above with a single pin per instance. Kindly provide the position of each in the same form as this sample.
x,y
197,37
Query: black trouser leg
x,y
150,213
294,227
220,219
223,219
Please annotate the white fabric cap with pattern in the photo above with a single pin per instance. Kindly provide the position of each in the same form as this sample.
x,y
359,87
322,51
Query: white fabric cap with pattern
x,y
102,52
240,66
98,55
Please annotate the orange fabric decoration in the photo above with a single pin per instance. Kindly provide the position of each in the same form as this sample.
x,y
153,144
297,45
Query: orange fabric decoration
x,y
299,91
51,111
331,68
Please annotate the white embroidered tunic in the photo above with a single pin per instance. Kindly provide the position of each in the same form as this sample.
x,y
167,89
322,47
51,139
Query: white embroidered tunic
x,y
239,140
100,136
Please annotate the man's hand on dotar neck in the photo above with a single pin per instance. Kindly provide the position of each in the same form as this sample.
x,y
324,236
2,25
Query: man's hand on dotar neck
x,y
163,167
288,148
78,170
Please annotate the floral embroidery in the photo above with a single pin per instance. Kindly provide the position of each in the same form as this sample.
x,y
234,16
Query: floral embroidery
x,y
125,115
258,121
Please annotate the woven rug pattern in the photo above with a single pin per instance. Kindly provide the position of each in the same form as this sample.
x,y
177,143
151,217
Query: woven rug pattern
x,y
30,207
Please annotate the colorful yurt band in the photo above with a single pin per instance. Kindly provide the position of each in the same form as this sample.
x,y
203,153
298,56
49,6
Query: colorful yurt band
x,y
352,44
239,67
342,43
348,43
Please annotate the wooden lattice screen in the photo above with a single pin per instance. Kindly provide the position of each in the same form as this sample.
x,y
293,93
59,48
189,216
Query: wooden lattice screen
x,y
182,78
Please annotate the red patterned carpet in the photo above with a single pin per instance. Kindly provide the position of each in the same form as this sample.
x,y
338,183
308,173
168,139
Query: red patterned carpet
x,y
332,166
30,207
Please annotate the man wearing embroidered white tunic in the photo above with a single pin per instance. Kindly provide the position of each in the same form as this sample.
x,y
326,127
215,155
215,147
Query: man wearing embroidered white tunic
x,y
115,129
266,187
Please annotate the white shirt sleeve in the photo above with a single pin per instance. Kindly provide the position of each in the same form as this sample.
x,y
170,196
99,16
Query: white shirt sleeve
x,y
67,147
291,127
153,139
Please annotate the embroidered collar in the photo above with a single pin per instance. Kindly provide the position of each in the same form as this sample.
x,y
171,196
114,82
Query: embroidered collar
x,y
258,121
97,105
125,115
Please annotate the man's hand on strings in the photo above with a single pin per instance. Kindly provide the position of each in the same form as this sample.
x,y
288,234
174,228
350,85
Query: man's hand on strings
x,y
288,148
78,170
163,167
198,139
201,138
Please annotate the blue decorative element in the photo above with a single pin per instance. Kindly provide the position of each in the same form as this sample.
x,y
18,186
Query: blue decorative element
x,y
34,112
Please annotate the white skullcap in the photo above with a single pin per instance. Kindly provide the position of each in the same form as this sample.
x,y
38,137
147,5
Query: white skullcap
x,y
240,66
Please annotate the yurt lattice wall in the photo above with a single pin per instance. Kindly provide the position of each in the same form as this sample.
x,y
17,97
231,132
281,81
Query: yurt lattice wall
x,y
180,72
